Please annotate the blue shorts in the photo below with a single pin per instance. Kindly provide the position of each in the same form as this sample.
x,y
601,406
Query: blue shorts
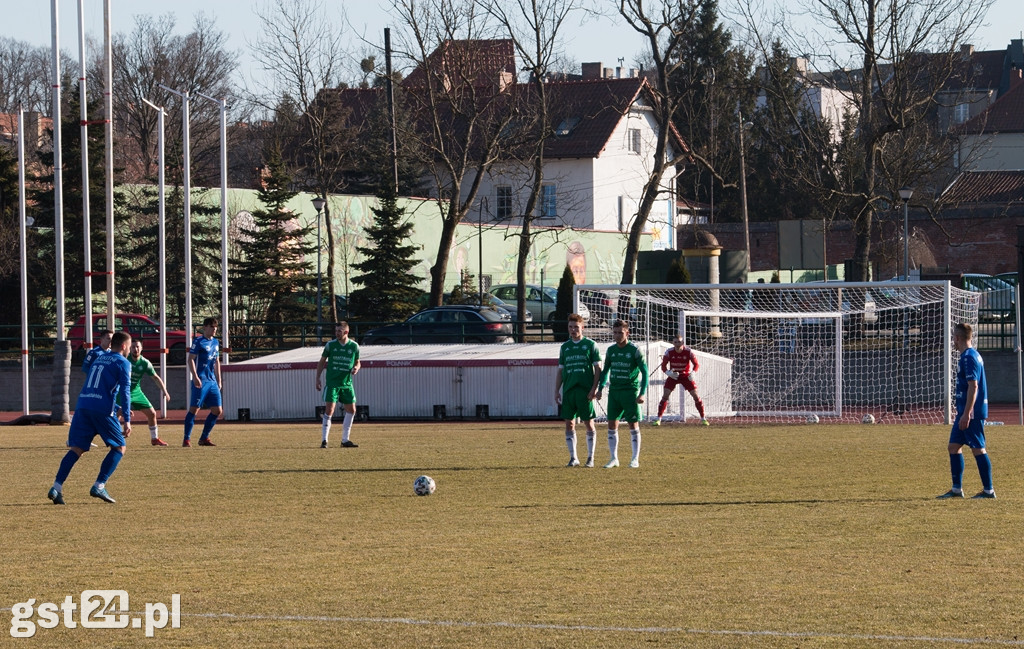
x,y
206,396
973,437
87,424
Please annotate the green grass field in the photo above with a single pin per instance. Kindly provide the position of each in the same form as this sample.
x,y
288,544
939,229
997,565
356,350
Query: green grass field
x,y
801,536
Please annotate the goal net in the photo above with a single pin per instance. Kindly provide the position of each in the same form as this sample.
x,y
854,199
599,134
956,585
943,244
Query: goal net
x,y
785,352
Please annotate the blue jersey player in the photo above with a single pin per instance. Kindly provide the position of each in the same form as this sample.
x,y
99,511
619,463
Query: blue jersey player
x,y
971,413
204,368
101,348
107,387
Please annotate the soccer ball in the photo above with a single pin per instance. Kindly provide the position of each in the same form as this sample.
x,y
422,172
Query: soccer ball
x,y
424,485
812,419
868,419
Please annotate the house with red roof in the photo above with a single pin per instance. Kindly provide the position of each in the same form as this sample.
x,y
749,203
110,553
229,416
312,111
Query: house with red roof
x,y
597,153
991,151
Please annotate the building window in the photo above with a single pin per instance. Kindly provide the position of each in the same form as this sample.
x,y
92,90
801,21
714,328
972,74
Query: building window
x,y
634,140
548,202
504,202
961,113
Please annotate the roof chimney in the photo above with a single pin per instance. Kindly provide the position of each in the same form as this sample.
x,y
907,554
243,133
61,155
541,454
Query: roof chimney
x,y
966,51
591,70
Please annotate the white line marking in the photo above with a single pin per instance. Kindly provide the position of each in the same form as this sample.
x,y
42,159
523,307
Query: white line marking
x,y
609,629
602,629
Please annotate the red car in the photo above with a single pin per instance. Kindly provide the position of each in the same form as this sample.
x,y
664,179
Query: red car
x,y
140,327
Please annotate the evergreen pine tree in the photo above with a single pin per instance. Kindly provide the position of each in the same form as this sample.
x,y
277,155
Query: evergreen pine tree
x,y
563,305
389,290
677,272
273,274
138,287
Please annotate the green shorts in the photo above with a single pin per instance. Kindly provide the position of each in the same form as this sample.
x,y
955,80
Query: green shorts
x,y
139,400
622,406
339,394
576,404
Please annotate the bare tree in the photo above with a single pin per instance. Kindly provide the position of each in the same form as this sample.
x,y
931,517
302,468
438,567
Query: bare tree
x,y
534,28
153,54
895,59
25,76
663,27
463,95
301,51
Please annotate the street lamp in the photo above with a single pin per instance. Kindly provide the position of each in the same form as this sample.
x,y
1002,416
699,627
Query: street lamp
x,y
318,205
743,189
905,194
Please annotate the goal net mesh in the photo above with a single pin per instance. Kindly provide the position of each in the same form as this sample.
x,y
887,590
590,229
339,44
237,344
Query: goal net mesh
x,y
784,352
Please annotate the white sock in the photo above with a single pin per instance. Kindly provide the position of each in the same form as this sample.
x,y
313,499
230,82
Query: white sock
x,y
591,442
325,426
152,432
635,438
346,425
613,443
570,441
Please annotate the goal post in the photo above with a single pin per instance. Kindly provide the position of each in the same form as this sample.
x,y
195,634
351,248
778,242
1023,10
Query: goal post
x,y
837,350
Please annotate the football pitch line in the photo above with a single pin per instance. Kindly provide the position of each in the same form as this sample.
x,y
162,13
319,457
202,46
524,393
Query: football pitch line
x,y
595,628
608,629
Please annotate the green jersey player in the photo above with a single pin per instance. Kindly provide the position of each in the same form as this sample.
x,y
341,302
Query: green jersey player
x,y
579,368
341,359
625,373
141,367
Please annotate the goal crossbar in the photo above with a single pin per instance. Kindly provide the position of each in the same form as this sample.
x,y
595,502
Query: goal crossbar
x,y
839,350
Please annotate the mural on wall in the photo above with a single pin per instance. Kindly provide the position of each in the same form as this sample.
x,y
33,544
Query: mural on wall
x,y
594,257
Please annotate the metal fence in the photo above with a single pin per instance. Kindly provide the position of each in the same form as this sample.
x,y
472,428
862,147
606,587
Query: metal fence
x,y
248,339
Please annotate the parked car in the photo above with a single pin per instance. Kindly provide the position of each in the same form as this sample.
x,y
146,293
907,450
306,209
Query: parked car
x,y
462,323
541,301
490,300
997,296
602,305
140,327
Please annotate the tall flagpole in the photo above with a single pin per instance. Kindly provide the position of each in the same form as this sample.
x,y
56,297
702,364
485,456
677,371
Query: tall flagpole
x,y
161,237
108,117
24,261
187,225
60,411
84,141
225,330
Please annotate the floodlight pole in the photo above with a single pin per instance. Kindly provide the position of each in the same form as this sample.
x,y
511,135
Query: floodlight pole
x,y
187,225
743,190
84,146
108,131
318,204
161,238
58,179
480,246
225,333
22,234
906,193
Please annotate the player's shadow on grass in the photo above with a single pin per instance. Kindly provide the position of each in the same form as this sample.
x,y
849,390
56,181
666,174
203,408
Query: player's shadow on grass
x,y
388,469
729,503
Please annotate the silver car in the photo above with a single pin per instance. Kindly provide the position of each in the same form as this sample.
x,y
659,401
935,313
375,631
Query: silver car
x,y
540,301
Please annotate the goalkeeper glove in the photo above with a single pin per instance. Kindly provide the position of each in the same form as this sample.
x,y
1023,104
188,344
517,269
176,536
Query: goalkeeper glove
x,y
672,374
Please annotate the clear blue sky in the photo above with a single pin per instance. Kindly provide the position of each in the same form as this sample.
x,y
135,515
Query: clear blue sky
x,y
29,20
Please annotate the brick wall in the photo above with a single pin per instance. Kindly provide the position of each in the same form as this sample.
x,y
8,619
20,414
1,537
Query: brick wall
x,y
982,239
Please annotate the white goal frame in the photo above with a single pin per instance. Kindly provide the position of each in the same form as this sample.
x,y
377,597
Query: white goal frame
x,y
841,350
